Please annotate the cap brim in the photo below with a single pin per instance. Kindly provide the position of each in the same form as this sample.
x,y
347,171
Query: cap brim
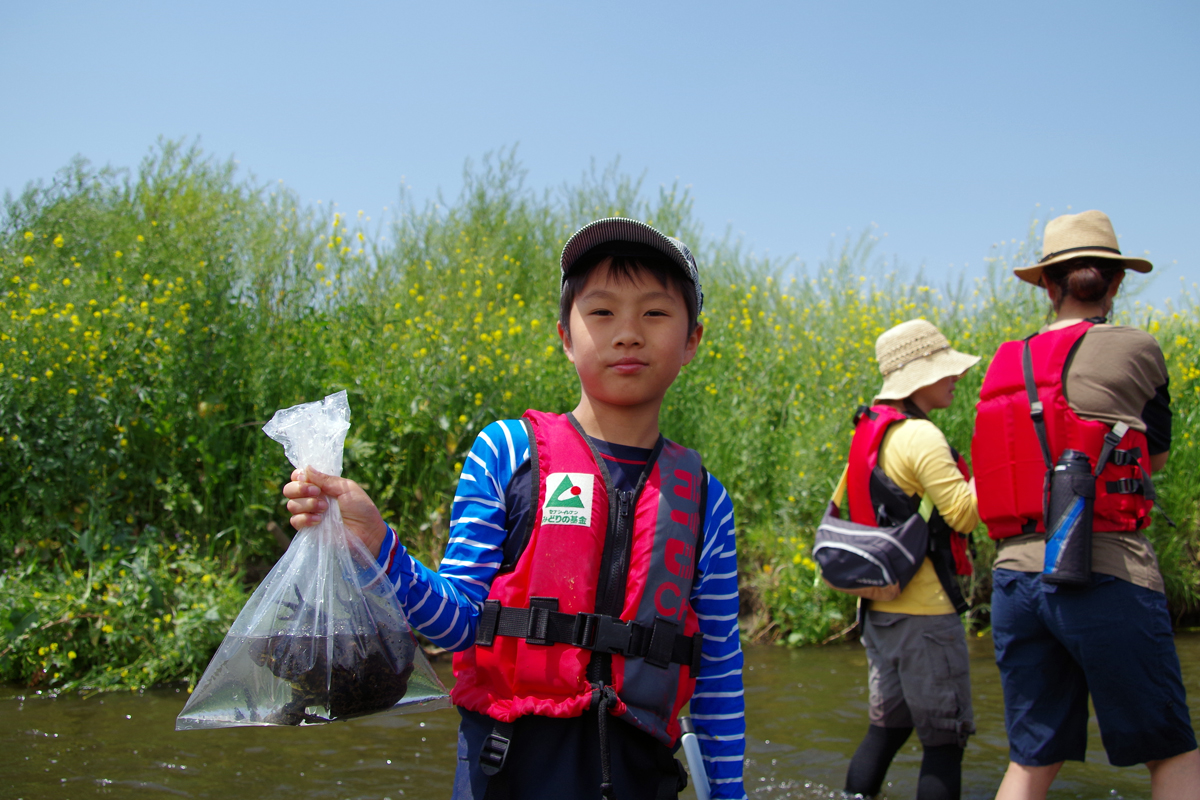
x,y
1033,273
621,229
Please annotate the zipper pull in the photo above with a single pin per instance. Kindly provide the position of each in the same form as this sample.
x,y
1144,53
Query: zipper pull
x,y
623,503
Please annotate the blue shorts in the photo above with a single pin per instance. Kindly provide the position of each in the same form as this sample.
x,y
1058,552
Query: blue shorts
x,y
1112,639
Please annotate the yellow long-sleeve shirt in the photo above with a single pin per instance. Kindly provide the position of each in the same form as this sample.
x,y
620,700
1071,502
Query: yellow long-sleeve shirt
x,y
916,455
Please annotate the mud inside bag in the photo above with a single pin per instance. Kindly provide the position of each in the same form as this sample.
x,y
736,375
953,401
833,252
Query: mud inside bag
x,y
323,637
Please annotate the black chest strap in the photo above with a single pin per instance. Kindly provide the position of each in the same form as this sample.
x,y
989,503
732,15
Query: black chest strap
x,y
542,623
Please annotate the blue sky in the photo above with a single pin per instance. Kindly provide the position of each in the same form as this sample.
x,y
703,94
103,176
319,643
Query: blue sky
x,y
950,126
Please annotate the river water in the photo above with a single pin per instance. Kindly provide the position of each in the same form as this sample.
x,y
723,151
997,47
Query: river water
x,y
806,712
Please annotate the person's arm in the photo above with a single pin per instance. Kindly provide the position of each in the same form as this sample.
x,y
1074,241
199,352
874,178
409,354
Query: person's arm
x,y
444,605
1157,416
718,705
924,452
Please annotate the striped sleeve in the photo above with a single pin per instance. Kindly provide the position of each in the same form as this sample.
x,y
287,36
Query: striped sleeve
x,y
444,605
718,705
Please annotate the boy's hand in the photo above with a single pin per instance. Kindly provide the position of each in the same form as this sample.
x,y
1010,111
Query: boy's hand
x,y
307,499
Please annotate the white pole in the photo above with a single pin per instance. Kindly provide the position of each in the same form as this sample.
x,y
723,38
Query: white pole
x,y
691,749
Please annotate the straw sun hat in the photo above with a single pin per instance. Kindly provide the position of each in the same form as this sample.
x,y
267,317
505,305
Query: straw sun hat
x,y
1087,234
915,354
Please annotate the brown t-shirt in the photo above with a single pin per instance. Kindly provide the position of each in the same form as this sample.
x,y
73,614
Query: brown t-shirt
x,y
1117,372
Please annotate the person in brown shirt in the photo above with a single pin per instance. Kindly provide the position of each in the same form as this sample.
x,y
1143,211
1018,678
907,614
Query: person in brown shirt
x,y
1111,639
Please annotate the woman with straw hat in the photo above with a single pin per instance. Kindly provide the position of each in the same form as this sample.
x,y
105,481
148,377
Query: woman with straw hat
x,y
900,464
1092,396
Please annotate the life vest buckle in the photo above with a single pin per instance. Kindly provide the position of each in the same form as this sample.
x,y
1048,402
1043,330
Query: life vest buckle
x,y
495,749
1126,486
612,636
1125,458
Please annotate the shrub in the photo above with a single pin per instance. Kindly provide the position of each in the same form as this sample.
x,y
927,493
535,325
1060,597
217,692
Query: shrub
x,y
129,620
152,321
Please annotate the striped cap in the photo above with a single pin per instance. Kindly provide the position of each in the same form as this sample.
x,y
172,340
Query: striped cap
x,y
620,229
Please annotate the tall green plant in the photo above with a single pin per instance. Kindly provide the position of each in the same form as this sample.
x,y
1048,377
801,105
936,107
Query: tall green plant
x,y
151,321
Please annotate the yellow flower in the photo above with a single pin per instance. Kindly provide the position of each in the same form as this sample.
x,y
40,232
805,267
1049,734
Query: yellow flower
x,y
71,655
118,254
28,261
58,240
28,236
107,628
66,281
72,391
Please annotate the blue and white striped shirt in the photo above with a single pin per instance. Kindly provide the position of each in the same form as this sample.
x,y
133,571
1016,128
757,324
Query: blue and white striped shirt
x,y
444,605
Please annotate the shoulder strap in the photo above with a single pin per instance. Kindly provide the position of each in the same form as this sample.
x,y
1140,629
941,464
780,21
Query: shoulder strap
x,y
703,520
1036,412
516,541
839,491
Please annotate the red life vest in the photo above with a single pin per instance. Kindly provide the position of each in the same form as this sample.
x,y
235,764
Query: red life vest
x,y
1010,468
603,575
875,499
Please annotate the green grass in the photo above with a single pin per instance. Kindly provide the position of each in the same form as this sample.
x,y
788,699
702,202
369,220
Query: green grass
x,y
151,321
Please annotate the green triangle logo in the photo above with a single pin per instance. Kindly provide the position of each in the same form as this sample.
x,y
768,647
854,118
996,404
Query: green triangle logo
x,y
567,495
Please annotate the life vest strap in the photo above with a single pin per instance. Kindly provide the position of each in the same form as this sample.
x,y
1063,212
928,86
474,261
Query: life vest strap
x,y
1126,486
1036,412
660,644
1126,458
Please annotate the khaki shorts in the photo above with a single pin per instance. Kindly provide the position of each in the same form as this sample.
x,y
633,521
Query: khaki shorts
x,y
919,676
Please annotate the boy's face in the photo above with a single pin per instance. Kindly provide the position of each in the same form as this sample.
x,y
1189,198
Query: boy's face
x,y
628,339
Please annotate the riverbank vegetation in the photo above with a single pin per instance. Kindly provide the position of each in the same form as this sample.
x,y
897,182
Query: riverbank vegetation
x,y
151,321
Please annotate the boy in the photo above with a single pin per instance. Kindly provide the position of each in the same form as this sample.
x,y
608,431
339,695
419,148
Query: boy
x,y
590,577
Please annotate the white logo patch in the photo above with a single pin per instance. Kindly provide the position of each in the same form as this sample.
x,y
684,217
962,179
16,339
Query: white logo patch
x,y
568,499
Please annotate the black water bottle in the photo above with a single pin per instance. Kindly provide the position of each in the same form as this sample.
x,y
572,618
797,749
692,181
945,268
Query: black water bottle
x,y
1069,521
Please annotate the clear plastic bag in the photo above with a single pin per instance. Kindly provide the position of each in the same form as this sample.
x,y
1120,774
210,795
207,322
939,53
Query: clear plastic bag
x,y
323,637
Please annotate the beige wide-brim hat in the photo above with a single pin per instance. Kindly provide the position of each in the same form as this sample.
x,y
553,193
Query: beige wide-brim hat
x,y
1087,234
915,354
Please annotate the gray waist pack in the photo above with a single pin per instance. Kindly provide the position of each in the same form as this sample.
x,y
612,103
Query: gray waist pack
x,y
857,557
